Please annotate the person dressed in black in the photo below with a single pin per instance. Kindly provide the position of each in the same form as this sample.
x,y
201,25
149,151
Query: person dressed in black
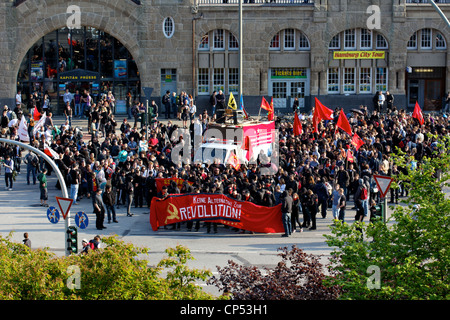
x,y
305,209
109,199
167,104
99,209
322,195
311,203
296,210
286,211
390,101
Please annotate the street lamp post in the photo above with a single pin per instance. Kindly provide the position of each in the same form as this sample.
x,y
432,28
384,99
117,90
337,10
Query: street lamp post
x,y
440,12
241,44
58,175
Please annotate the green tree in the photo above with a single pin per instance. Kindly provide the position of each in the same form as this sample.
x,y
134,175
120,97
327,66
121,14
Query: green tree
x,y
119,271
410,251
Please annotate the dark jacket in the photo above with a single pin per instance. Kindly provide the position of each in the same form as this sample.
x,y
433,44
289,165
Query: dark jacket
x,y
286,204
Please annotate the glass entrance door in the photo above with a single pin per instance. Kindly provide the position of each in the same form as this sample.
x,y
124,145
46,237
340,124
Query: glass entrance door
x,y
433,95
298,91
279,94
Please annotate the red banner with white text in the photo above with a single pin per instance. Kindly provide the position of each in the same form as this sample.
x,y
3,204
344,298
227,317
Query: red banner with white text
x,y
215,208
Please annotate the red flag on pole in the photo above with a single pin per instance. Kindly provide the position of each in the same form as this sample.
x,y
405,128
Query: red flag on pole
x,y
298,129
357,141
234,161
36,114
321,113
271,111
418,114
350,156
343,123
265,105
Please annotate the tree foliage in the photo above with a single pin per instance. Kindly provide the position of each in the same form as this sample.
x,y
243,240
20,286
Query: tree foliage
x,y
298,276
410,251
115,272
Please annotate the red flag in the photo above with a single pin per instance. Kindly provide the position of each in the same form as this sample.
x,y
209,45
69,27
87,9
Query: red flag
x,y
36,114
265,105
418,114
321,113
70,41
350,156
357,141
247,145
51,153
271,111
343,123
298,129
234,161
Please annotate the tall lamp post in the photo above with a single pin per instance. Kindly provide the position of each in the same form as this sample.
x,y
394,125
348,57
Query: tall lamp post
x,y
55,168
440,12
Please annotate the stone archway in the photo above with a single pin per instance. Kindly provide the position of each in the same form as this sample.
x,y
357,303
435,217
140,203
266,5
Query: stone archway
x,y
122,21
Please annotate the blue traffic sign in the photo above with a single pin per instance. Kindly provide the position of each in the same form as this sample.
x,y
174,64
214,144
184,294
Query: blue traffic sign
x,y
81,220
53,215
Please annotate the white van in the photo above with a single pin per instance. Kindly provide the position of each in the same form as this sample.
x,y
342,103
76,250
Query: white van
x,y
247,141
217,152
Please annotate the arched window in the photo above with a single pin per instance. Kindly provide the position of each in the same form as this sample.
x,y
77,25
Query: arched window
x,y
85,59
289,40
427,39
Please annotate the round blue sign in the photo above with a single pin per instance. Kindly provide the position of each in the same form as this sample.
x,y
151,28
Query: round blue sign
x,y
53,215
81,220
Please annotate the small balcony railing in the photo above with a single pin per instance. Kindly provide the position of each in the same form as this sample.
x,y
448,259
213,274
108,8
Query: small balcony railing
x,y
426,1
267,2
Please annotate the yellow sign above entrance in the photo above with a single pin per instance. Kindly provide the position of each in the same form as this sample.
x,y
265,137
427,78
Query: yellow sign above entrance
x,y
342,55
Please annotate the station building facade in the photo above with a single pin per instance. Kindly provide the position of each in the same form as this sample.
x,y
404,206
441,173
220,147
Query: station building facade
x,y
292,49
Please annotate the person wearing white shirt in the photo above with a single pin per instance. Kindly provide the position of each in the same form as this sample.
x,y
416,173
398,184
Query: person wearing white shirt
x,y
19,98
68,97
381,99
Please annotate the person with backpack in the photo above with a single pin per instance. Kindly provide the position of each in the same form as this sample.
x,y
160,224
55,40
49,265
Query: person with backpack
x,y
32,162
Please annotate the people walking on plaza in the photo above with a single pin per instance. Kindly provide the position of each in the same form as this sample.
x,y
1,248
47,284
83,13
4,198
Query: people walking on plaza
x,y
109,199
8,164
311,203
74,179
129,190
32,162
99,209
286,212
26,240
342,205
42,178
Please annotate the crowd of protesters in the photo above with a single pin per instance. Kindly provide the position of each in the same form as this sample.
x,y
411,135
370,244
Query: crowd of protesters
x,y
118,164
